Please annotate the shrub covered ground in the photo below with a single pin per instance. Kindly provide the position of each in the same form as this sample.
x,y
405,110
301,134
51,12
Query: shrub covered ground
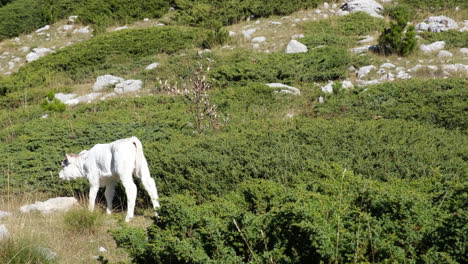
x,y
376,174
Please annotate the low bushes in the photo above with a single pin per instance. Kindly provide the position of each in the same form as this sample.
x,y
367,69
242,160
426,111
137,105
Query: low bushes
x,y
437,102
333,215
452,38
327,63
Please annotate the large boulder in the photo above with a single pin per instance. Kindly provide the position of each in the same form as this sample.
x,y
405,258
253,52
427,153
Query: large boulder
x,y
128,86
370,7
106,81
59,204
437,24
295,46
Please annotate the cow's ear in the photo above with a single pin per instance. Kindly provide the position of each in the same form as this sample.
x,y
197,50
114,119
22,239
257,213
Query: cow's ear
x,y
68,156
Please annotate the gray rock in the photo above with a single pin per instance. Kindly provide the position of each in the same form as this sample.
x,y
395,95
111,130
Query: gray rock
x,y
248,33
403,75
341,12
346,84
72,19
388,77
328,88
4,232
259,39
368,6
128,86
444,54
105,97
432,68
452,68
102,249
437,24
64,97
37,53
297,36
82,30
363,71
415,68
387,65
47,27
4,214
120,28
464,51
361,49
152,66
321,100
59,204
288,89
276,23
295,46
106,81
370,82
435,46
88,98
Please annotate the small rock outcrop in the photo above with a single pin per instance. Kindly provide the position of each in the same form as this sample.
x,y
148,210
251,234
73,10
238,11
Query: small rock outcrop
x,y
435,46
437,24
363,71
287,88
106,81
128,86
370,7
87,98
152,66
444,54
59,204
64,97
37,53
295,46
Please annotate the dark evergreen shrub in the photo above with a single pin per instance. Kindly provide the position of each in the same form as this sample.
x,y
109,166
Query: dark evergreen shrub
x,y
398,38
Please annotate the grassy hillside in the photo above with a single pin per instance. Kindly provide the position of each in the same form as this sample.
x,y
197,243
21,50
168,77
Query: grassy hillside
x,y
371,174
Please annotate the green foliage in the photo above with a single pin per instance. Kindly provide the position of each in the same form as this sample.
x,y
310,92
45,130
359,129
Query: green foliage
x,y
326,63
434,4
20,250
452,38
342,31
398,38
53,104
22,16
332,216
440,103
209,14
82,220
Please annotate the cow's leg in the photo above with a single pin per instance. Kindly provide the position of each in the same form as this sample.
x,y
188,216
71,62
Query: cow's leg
x,y
109,193
93,190
150,187
131,191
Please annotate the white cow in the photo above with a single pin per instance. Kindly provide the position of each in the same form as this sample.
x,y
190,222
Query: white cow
x,y
105,165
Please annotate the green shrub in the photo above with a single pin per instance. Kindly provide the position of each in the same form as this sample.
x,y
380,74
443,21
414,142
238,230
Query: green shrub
x,y
207,13
440,103
83,221
398,38
53,104
333,215
22,16
342,31
322,64
21,250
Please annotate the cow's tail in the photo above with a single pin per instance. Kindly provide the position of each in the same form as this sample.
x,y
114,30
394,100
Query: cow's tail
x,y
141,166
142,172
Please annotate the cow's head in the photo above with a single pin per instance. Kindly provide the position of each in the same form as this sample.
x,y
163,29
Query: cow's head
x,y
70,167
